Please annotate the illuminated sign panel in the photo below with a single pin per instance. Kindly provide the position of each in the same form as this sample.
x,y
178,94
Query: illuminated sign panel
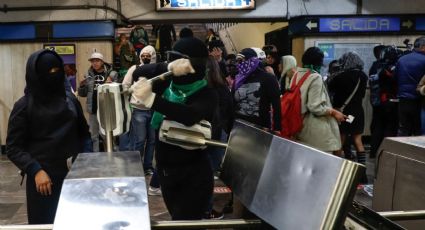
x,y
61,49
204,4
420,24
370,24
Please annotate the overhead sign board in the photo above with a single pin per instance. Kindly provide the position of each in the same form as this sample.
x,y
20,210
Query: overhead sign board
x,y
357,24
369,24
163,5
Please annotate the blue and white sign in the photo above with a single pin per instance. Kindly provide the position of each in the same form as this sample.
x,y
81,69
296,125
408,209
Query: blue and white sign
x,y
367,24
204,4
420,23
328,50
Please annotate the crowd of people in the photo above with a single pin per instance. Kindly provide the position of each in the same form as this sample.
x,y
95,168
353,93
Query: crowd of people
x,y
210,86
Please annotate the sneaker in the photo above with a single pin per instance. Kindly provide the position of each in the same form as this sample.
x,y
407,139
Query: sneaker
x,y
214,215
149,172
152,191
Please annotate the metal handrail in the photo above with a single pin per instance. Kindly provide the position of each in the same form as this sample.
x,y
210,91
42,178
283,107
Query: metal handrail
x,y
159,225
404,215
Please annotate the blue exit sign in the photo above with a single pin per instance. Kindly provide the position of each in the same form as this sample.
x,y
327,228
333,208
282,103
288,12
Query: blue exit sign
x,y
420,24
204,4
369,24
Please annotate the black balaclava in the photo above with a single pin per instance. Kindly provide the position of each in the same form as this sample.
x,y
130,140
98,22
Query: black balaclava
x,y
198,53
53,119
45,75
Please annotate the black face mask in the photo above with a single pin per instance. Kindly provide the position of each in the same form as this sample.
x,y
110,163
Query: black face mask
x,y
146,60
50,71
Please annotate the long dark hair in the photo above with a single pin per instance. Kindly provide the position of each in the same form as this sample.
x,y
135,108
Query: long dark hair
x,y
214,76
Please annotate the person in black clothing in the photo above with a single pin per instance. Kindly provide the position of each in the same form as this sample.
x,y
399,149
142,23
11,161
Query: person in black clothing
x,y
46,127
222,124
185,33
185,176
350,79
255,91
385,113
377,52
164,32
222,121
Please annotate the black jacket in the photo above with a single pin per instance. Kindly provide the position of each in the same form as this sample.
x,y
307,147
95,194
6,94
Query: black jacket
x,y
45,128
199,106
255,98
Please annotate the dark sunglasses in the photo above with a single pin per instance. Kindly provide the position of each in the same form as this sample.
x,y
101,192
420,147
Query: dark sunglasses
x,y
174,55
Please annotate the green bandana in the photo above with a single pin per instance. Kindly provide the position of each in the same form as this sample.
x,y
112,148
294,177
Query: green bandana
x,y
177,93
313,67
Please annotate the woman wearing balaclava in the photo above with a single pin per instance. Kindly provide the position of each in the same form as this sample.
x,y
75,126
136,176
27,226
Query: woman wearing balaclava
x,y
141,136
185,176
255,92
320,127
351,80
46,127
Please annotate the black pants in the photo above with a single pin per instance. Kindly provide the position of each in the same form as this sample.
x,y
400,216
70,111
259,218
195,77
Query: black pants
x,y
42,209
384,124
409,112
187,190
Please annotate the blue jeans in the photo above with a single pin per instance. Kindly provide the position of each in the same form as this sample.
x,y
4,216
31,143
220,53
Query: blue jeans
x,y
142,136
216,154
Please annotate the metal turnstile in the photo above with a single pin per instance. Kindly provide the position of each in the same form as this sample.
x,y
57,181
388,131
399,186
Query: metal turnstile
x,y
399,183
104,191
287,184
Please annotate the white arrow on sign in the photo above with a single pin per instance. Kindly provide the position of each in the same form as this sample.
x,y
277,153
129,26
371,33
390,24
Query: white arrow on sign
x,y
311,25
407,24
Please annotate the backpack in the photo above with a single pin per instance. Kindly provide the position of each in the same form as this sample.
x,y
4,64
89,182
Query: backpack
x,y
383,85
290,102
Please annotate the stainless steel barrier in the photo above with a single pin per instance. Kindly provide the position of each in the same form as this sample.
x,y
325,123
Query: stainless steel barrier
x,y
400,169
287,184
104,191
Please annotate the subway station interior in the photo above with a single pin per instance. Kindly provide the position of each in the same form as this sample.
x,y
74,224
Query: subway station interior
x,y
212,114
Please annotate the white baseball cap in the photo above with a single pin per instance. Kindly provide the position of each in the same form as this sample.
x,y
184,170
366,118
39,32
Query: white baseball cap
x,y
260,53
96,55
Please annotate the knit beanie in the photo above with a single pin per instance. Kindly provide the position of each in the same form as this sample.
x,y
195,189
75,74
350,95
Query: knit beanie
x,y
192,47
198,53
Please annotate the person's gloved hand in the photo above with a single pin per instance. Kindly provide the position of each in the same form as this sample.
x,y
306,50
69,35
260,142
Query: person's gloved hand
x,y
180,67
142,92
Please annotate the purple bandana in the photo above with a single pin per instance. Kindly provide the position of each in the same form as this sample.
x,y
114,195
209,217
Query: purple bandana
x,y
245,69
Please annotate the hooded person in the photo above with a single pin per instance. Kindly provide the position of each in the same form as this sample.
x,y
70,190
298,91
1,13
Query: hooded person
x,y
46,127
185,175
255,92
289,67
141,136
348,88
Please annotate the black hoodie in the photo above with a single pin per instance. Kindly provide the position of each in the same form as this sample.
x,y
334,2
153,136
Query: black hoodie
x,y
46,125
